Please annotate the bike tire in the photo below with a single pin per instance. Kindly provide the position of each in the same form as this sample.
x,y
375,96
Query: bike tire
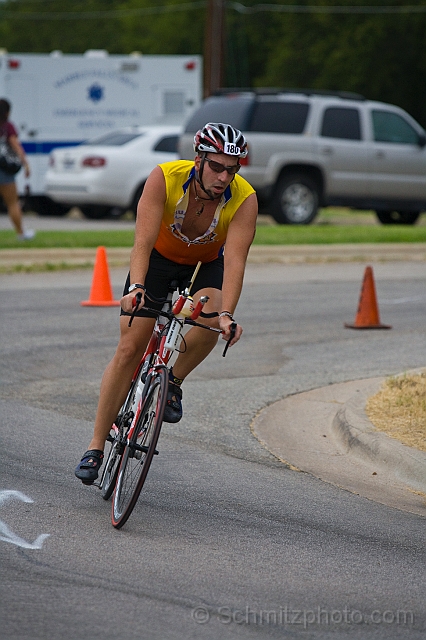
x,y
112,466
135,463
123,421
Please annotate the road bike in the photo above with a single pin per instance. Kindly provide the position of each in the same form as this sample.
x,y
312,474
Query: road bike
x,y
134,435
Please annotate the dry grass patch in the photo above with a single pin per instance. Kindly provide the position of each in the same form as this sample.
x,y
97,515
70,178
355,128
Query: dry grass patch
x,y
399,409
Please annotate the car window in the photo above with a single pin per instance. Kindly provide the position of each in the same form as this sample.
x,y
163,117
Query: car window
x,y
114,139
228,109
279,117
168,144
341,122
391,127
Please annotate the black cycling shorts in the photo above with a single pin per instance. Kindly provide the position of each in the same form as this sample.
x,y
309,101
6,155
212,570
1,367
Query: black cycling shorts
x,y
161,272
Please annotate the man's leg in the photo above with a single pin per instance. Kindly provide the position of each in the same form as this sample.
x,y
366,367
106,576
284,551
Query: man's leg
x,y
198,344
117,377
114,389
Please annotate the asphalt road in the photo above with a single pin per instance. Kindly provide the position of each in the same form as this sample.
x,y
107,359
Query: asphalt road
x,y
225,541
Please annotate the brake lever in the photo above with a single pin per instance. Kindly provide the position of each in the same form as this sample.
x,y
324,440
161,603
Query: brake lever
x,y
135,304
232,336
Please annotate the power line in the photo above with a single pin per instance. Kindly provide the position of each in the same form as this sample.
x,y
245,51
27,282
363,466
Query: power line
x,y
187,6
297,8
88,15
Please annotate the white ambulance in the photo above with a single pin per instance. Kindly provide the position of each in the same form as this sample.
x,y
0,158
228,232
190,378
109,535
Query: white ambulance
x,y
61,100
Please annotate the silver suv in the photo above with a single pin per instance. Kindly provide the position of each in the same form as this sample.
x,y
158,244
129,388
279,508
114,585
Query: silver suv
x,y
315,149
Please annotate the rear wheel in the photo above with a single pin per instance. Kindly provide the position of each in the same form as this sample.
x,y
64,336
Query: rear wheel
x,y
296,200
95,212
44,206
398,217
138,454
136,198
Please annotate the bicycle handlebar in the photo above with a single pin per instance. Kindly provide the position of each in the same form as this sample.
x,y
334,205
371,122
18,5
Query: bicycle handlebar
x,y
170,315
233,330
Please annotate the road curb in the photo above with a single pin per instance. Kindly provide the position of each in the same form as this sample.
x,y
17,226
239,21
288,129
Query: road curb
x,y
29,258
325,432
323,253
359,437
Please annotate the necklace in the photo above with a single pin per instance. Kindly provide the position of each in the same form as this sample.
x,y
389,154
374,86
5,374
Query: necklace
x,y
201,209
198,199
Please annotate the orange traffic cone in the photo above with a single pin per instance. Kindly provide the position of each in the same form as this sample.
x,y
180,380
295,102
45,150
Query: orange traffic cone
x,y
101,291
367,316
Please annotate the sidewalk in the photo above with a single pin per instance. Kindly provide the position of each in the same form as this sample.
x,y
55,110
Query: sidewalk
x,y
27,257
326,432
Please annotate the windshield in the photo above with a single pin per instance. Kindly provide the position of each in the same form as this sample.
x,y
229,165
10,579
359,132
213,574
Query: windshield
x,y
113,139
231,109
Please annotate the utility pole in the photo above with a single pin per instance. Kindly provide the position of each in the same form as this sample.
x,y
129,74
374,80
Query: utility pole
x,y
214,46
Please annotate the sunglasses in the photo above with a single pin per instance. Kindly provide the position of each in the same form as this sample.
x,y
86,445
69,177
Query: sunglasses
x,y
220,168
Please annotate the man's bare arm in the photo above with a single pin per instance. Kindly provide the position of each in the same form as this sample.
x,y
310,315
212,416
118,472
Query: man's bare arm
x,y
149,215
241,233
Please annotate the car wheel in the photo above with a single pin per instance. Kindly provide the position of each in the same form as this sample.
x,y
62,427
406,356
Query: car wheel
x,y
398,217
44,206
136,198
296,200
95,212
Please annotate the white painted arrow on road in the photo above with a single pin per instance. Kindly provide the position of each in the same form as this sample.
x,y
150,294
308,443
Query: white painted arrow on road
x,y
6,534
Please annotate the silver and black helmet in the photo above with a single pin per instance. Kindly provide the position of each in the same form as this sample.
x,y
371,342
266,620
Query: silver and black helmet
x,y
216,137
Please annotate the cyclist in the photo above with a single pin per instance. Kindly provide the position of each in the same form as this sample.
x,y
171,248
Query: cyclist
x,y
187,211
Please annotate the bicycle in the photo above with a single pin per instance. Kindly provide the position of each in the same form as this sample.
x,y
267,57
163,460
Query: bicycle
x,y
135,432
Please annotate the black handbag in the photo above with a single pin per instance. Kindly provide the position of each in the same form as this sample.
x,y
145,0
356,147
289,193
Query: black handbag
x,y
10,162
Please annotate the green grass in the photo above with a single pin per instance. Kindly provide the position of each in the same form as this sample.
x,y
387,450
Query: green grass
x,y
274,234
337,234
68,239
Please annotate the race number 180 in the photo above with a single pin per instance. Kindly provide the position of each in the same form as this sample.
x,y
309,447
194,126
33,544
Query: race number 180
x,y
231,149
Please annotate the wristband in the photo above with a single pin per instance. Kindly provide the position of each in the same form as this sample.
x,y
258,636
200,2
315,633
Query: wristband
x,y
136,286
228,314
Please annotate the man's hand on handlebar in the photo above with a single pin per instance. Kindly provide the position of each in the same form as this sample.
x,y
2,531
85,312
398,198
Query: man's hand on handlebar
x,y
227,326
129,301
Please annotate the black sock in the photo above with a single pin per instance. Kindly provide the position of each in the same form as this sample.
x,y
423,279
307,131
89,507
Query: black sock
x,y
172,378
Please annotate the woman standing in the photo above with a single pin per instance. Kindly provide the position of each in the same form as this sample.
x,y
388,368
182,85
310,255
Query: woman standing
x,y
8,189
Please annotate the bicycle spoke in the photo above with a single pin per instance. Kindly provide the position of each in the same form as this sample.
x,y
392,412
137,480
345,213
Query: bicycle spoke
x,y
139,451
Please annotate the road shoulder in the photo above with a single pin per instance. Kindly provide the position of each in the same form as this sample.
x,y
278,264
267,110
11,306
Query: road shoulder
x,y
325,432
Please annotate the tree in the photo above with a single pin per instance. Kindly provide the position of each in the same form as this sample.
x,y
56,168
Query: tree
x,y
41,27
73,26
380,55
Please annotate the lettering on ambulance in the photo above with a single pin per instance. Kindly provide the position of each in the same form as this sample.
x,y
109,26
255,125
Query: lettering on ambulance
x,y
96,73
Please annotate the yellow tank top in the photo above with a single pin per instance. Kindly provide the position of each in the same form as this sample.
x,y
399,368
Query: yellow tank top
x,y
171,242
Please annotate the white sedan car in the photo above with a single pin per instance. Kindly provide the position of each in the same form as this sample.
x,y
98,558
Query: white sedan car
x,y
107,174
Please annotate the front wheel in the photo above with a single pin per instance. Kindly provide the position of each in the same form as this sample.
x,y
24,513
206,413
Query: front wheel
x,y
296,200
397,217
112,466
118,435
140,449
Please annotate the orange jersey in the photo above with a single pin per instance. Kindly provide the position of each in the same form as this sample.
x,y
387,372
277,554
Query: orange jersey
x,y
171,242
